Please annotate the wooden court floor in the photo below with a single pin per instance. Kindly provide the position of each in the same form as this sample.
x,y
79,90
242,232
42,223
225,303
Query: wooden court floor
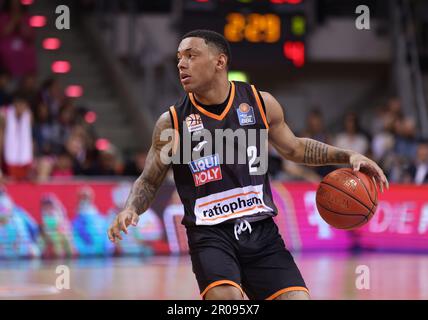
x,y
328,276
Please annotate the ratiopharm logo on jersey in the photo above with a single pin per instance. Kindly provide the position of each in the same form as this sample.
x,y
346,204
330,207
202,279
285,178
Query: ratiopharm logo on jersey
x,y
206,169
230,204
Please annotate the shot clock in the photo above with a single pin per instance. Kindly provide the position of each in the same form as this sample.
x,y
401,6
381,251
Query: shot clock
x,y
269,31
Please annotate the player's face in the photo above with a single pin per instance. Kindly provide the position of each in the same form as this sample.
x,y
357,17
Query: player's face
x,y
197,64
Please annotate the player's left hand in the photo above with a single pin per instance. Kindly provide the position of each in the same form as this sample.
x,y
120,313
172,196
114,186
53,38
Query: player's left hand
x,y
358,161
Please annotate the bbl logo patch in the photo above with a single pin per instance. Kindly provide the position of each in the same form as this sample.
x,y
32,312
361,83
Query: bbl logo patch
x,y
246,114
194,122
206,169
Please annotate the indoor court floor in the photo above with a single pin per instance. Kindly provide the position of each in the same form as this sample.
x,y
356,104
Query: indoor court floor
x,y
328,276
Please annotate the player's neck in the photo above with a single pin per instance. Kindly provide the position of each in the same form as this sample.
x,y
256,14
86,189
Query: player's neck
x,y
215,94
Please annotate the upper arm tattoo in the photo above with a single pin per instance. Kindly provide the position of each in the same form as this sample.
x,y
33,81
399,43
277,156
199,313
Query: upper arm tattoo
x,y
145,187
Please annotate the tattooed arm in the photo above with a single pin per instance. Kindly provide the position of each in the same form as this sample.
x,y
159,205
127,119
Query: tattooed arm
x,y
312,152
145,187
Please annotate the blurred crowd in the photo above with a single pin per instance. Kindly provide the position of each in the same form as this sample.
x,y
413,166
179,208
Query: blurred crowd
x,y
45,135
391,139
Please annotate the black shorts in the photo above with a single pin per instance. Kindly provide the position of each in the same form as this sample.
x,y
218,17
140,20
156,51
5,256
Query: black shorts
x,y
258,263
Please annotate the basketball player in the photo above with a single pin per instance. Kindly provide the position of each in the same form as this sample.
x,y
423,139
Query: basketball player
x,y
233,241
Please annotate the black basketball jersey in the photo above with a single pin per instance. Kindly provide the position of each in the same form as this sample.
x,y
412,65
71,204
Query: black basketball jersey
x,y
220,164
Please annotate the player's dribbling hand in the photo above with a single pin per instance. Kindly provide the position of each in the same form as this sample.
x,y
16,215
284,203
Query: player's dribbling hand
x,y
120,223
358,161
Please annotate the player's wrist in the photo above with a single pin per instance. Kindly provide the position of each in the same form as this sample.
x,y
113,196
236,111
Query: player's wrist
x,y
131,209
350,155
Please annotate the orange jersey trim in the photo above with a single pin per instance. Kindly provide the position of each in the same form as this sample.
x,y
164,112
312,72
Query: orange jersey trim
x,y
175,125
278,293
213,115
219,283
259,104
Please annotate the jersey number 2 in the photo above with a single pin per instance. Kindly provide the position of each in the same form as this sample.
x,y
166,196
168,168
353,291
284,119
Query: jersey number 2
x,y
252,155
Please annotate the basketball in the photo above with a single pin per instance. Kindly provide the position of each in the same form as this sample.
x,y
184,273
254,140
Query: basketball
x,y
347,199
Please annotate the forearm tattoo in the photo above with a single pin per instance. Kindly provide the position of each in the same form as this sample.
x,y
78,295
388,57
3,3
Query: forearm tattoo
x,y
142,194
318,153
315,152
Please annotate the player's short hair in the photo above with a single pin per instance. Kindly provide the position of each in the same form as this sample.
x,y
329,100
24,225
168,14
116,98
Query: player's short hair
x,y
214,38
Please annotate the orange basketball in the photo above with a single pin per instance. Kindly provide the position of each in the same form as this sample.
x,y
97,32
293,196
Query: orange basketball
x,y
347,199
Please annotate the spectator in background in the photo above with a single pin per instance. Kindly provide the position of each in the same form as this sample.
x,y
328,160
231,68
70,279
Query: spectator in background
x,y
52,94
387,115
353,137
77,148
405,138
275,163
109,163
44,130
5,97
394,108
387,128
16,138
89,165
28,88
17,49
63,166
282,169
383,140
46,141
136,165
315,129
66,121
418,170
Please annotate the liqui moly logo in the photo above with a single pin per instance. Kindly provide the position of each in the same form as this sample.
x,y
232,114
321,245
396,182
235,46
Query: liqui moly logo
x,y
206,169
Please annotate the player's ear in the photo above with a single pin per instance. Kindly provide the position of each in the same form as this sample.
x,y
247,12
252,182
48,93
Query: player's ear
x,y
222,61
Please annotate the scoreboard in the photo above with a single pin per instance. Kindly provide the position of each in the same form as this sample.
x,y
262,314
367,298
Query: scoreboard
x,y
268,32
